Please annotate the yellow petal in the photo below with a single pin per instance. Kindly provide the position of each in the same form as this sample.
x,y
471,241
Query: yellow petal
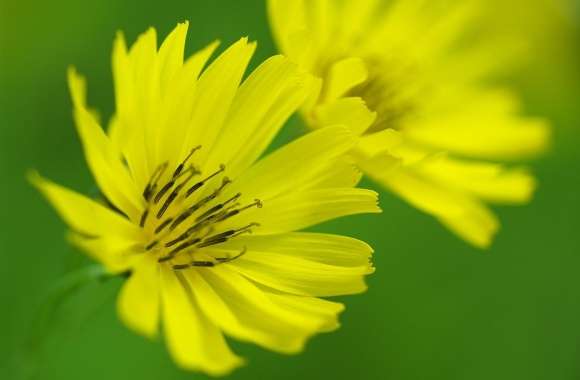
x,y
290,166
490,182
215,92
105,163
340,173
83,214
337,250
178,103
351,112
478,227
387,140
257,317
343,76
231,313
171,54
139,302
497,132
303,209
117,254
311,307
462,213
262,104
307,277
193,340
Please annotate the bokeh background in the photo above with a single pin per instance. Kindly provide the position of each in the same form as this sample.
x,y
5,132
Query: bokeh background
x,y
436,308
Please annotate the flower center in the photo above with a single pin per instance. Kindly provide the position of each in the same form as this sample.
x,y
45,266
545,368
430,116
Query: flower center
x,y
389,92
184,214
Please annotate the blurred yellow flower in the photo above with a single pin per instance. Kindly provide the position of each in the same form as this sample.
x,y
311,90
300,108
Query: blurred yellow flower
x,y
179,170
435,132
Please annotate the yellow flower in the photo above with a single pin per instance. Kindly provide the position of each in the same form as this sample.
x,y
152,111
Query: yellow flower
x,y
437,133
184,184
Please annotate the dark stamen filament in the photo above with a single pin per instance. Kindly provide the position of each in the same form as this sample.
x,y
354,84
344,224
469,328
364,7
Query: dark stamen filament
x,y
182,164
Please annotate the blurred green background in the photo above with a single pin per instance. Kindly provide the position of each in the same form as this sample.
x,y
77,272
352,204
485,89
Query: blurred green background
x,y
436,308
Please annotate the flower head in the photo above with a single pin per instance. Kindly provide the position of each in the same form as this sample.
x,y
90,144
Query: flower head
x,y
410,82
205,226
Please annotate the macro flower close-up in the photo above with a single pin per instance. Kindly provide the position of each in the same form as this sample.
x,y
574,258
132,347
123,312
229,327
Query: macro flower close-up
x,y
414,81
290,189
206,231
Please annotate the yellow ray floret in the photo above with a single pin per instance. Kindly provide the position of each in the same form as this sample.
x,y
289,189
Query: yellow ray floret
x,y
205,225
408,77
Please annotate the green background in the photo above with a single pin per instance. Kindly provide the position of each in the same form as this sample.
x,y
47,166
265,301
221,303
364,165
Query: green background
x,y
436,308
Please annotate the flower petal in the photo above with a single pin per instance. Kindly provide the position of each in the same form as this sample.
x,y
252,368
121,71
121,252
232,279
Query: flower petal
x,y
497,133
215,92
249,314
306,277
117,254
337,250
262,104
139,302
465,215
105,163
193,340
490,182
83,214
311,307
290,166
351,112
303,209
344,75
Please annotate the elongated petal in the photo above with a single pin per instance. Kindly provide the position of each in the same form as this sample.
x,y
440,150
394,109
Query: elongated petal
x,y
171,54
304,209
263,103
270,325
214,94
139,302
177,105
83,214
117,254
339,173
194,341
490,182
105,163
287,168
328,249
307,278
468,217
343,76
311,307
217,304
351,112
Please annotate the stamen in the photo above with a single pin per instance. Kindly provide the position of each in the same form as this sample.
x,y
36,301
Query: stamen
x,y
151,245
152,184
144,218
198,185
182,164
224,236
258,203
194,264
162,226
166,204
227,259
220,260
218,207
179,248
187,213
173,194
164,190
